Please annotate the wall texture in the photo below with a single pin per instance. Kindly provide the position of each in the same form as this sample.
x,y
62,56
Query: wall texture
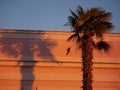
x,y
36,60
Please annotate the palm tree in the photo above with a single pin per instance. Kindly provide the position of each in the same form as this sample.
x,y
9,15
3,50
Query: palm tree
x,y
87,25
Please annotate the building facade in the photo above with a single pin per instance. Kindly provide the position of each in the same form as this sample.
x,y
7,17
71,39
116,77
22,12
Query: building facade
x,y
37,60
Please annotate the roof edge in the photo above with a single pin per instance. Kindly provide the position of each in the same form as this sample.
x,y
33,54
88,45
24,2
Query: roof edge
x,y
42,31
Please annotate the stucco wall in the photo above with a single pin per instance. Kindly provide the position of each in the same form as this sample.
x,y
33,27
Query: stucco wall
x,y
36,60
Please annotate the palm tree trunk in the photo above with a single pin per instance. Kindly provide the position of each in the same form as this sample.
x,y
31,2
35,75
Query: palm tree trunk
x,y
87,56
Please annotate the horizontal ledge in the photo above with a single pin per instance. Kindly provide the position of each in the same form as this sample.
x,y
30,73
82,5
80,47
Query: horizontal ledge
x,y
26,33
53,35
57,64
54,88
66,59
41,88
57,76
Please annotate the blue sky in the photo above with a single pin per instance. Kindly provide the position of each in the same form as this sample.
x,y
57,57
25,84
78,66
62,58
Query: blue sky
x,y
49,14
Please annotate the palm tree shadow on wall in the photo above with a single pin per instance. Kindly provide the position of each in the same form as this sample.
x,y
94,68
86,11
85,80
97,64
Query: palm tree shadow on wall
x,y
29,51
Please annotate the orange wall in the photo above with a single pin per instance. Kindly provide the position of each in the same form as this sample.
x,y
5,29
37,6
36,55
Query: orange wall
x,y
36,60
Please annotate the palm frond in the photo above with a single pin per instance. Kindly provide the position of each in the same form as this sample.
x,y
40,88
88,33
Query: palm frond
x,y
96,20
73,14
104,16
80,11
102,27
79,38
95,11
99,19
99,35
72,37
102,45
105,26
66,24
72,21
68,51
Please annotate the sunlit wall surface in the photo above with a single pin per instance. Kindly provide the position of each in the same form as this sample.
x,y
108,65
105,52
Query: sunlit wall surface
x,y
37,60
